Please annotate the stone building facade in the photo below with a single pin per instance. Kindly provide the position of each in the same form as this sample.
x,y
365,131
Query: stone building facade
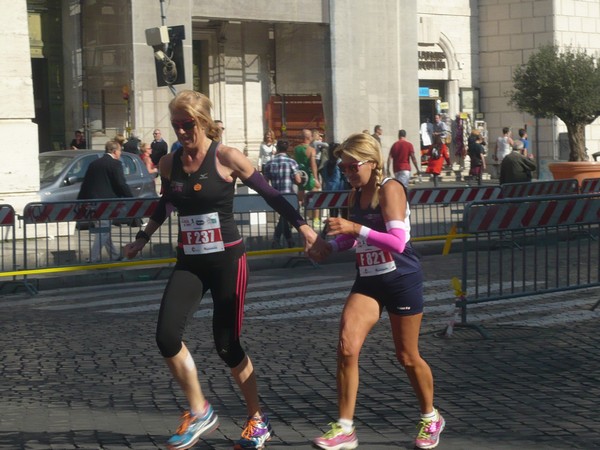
x,y
386,62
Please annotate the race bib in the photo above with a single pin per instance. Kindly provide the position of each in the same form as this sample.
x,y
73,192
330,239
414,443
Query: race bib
x,y
201,234
372,260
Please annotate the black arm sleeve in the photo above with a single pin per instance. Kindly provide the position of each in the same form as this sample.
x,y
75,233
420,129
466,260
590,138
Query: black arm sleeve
x,y
160,213
274,198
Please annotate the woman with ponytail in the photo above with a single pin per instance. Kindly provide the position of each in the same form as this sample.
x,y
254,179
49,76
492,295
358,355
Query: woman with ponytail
x,y
388,276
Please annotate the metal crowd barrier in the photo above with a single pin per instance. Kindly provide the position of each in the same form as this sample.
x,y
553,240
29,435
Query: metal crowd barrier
x,y
435,213
526,246
590,186
7,245
537,188
58,236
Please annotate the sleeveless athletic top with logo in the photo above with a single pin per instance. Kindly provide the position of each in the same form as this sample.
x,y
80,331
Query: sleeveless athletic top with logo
x,y
204,201
371,260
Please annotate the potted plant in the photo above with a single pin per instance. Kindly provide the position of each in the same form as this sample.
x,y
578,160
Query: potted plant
x,y
564,83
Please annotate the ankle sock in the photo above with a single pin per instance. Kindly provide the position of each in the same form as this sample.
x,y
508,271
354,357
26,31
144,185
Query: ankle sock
x,y
346,424
432,416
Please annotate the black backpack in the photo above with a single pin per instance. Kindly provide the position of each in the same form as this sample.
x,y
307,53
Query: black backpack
x,y
435,153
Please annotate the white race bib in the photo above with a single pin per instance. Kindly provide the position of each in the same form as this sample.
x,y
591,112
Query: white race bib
x,y
372,260
201,234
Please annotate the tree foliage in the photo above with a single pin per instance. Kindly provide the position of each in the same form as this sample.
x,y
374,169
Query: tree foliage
x,y
563,83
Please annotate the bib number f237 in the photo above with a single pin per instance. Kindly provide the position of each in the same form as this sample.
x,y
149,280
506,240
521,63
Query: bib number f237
x,y
373,261
201,234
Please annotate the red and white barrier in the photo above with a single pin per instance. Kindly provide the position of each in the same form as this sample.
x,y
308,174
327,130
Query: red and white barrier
x,y
7,215
88,210
431,196
590,186
532,213
326,200
540,188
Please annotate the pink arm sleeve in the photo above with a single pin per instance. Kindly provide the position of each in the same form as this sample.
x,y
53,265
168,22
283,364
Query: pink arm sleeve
x,y
393,241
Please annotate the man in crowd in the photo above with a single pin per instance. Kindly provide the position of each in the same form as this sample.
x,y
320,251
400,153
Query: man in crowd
x,y
159,147
401,153
516,168
105,179
282,171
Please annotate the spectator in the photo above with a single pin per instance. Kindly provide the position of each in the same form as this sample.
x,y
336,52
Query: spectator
x,y
319,146
333,179
133,144
282,171
477,155
504,144
159,147
515,167
440,128
220,128
79,142
145,152
105,179
437,154
305,156
377,132
426,132
525,141
267,149
401,153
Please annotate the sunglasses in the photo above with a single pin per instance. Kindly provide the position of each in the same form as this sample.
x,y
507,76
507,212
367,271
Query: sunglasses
x,y
351,167
185,125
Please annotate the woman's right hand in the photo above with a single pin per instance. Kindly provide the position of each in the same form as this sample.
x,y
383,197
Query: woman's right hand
x,y
133,248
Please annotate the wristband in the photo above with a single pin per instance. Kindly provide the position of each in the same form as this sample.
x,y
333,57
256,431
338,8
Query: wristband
x,y
142,235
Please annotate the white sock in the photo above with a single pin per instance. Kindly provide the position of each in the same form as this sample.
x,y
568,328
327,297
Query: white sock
x,y
346,424
432,416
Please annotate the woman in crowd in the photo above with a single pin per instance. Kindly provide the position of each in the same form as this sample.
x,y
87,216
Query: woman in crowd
x,y
438,153
199,181
268,148
388,276
145,151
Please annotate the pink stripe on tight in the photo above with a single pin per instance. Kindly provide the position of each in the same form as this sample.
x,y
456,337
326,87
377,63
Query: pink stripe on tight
x,y
240,291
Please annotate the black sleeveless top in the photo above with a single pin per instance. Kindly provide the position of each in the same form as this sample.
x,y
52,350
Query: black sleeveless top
x,y
202,192
407,261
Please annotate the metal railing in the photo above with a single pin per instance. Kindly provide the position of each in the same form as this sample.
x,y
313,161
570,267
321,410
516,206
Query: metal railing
x,y
519,247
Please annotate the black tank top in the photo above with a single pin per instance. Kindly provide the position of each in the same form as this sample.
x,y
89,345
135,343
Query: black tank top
x,y
204,191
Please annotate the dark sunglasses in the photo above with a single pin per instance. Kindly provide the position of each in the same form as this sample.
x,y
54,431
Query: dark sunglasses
x,y
185,125
351,167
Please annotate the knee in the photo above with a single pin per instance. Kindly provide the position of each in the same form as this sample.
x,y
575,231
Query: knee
x,y
168,343
231,353
407,359
348,348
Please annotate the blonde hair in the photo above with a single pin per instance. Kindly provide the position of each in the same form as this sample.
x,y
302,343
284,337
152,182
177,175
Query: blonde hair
x,y
198,106
364,147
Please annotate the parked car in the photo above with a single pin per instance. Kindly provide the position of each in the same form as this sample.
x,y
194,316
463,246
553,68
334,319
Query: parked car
x,y
61,174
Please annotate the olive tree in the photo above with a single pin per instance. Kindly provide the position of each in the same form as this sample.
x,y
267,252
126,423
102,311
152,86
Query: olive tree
x,y
564,83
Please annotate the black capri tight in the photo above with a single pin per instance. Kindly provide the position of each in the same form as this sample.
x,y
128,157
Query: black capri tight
x,y
227,279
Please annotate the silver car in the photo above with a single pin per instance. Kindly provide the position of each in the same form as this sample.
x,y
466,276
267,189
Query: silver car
x,y
61,174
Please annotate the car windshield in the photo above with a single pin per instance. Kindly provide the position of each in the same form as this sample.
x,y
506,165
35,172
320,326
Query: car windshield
x,y
52,166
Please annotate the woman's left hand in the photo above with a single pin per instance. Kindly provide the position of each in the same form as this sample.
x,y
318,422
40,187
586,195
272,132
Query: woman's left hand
x,y
337,225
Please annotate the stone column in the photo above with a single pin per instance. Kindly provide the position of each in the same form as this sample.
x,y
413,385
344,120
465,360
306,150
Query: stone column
x,y
19,174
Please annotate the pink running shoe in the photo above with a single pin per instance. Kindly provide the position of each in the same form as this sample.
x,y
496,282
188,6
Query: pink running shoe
x,y
429,432
336,439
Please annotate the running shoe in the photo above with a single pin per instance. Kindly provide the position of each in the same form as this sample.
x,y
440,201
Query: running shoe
x,y
191,428
429,432
336,439
257,431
